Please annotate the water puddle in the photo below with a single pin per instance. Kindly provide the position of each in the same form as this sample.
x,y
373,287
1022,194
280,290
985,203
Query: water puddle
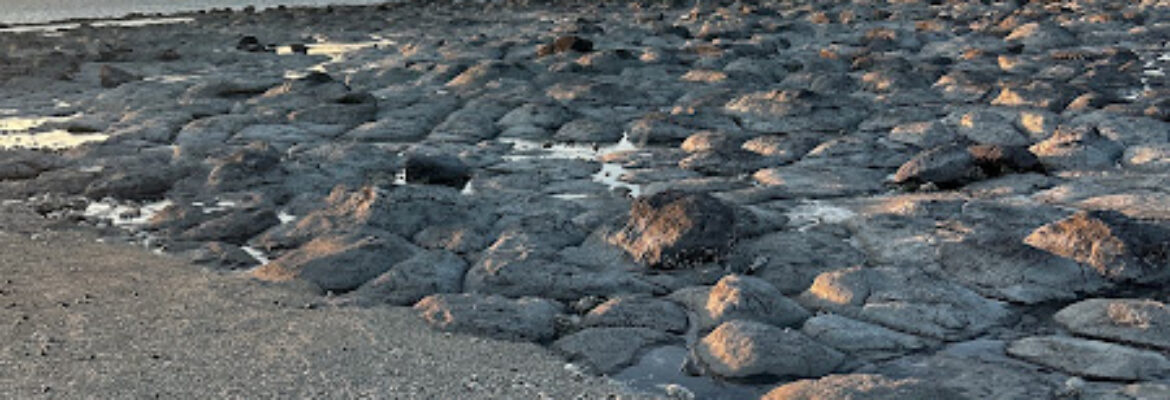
x,y
123,23
19,124
53,140
336,52
610,174
810,213
124,215
18,132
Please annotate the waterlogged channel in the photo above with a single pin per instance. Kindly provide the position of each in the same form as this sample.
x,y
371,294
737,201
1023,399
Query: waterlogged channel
x,y
24,132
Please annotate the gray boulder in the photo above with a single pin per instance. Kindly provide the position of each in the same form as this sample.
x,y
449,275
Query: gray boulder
x,y
747,298
1041,36
978,369
524,319
339,262
588,130
1140,321
907,300
522,264
671,229
745,349
861,339
821,181
795,111
437,169
791,260
947,166
987,127
427,273
608,350
638,312
1077,149
236,227
17,164
1116,246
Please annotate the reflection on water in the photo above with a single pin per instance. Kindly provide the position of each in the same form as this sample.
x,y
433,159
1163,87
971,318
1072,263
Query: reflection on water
x,y
610,174
336,51
54,140
127,23
17,124
810,213
16,132
124,215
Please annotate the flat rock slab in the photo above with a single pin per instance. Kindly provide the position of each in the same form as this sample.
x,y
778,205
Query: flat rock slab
x,y
907,300
608,350
861,339
526,319
1116,246
638,312
1139,321
821,181
747,298
1091,358
339,262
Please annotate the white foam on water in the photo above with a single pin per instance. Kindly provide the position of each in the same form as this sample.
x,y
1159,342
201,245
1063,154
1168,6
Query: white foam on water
x,y
609,175
256,254
170,78
285,217
220,205
570,196
124,215
468,189
810,213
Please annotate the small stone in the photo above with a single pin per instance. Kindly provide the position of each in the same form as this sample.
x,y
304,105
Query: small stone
x,y
112,77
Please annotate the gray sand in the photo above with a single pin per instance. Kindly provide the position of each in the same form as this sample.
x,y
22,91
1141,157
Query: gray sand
x,y
85,319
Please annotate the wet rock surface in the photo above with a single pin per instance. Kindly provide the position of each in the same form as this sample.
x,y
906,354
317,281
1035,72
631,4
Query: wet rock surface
x,y
909,199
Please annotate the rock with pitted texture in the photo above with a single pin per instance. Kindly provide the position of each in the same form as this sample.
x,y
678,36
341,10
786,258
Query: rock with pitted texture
x,y
672,229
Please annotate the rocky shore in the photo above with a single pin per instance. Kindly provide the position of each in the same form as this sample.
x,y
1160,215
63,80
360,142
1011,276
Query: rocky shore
x,y
823,199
